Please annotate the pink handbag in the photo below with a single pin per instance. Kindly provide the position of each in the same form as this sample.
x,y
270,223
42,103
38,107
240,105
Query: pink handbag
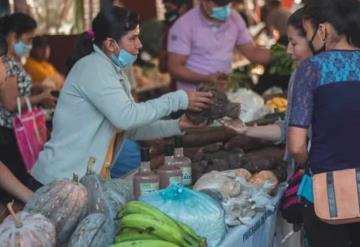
x,y
30,132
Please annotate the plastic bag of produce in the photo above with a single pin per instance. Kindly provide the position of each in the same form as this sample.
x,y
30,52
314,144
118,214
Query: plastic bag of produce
x,y
253,198
199,211
252,104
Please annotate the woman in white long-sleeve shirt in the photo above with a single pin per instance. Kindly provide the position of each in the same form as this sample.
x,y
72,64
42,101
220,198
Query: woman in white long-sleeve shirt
x,y
96,100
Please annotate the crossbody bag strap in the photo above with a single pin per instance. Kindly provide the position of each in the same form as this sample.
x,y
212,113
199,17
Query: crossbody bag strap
x,y
105,169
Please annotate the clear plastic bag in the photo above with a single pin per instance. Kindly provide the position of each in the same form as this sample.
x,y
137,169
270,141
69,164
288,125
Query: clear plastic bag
x,y
252,199
252,104
198,210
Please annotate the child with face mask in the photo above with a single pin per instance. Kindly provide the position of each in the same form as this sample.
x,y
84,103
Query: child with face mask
x,y
18,31
37,65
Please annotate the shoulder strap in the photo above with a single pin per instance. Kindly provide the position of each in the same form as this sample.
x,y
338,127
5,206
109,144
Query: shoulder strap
x,y
105,169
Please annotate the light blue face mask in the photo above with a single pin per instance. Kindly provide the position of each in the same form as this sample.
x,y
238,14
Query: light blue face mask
x,y
21,49
124,59
221,13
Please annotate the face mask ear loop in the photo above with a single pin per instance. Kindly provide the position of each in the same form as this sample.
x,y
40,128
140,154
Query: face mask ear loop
x,y
310,42
325,38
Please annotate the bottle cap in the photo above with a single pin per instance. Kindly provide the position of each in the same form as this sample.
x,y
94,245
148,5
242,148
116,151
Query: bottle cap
x,y
178,141
145,154
168,149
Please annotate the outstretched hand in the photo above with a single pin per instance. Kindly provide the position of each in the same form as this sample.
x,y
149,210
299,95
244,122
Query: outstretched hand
x,y
185,123
234,124
199,101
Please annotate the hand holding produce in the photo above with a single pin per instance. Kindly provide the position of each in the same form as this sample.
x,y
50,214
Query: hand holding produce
x,y
220,108
235,124
199,101
222,82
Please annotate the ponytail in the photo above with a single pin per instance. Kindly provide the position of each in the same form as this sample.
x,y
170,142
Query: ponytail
x,y
343,15
112,22
83,48
352,27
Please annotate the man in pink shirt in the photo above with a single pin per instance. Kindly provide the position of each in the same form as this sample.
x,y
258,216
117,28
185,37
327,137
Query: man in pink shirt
x,y
202,41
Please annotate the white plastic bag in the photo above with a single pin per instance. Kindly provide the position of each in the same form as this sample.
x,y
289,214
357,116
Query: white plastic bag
x,y
252,104
220,182
198,210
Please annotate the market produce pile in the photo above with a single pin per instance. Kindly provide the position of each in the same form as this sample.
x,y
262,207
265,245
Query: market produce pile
x,y
69,213
233,178
144,225
281,63
220,108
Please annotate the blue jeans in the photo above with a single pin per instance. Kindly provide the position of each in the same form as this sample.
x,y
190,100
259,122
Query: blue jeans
x,y
128,159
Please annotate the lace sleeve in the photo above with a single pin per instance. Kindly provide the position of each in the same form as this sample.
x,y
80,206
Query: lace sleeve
x,y
306,79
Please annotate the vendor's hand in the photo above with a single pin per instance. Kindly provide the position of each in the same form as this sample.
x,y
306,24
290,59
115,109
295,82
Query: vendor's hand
x,y
222,82
199,101
234,124
47,100
185,123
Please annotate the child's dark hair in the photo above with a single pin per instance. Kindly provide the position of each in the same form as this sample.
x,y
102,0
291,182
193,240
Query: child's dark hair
x,y
18,22
343,15
113,22
3,46
296,20
40,41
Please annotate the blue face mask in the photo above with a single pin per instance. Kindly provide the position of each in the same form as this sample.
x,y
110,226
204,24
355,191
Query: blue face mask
x,y
124,59
221,13
21,49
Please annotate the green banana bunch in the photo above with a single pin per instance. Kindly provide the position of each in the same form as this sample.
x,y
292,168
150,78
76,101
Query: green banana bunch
x,y
145,221
128,234
145,243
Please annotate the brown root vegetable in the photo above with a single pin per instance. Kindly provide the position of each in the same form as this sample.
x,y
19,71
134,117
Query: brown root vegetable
x,y
195,154
280,170
263,159
206,136
245,143
220,108
218,161
212,148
